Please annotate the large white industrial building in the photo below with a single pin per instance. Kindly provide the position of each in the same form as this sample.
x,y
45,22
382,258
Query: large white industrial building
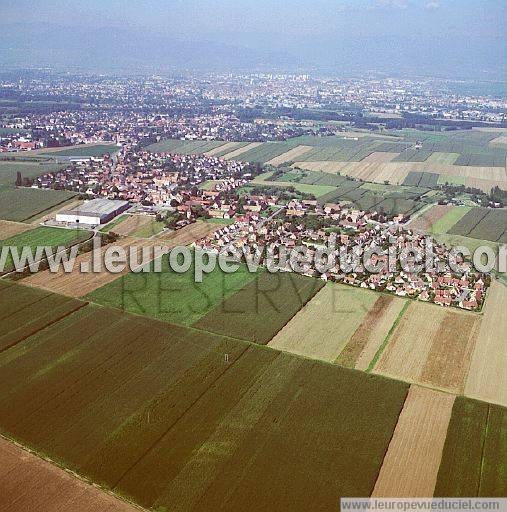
x,y
94,212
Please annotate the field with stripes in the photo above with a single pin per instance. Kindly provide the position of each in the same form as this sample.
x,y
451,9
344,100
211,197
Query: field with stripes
x,y
165,411
410,157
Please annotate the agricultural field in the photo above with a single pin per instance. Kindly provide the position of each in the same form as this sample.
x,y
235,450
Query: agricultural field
x,y
78,284
114,223
412,461
475,450
434,353
439,219
84,150
375,328
487,377
322,328
46,487
171,296
21,204
237,152
483,224
8,228
259,310
9,170
159,416
184,147
289,156
43,237
422,179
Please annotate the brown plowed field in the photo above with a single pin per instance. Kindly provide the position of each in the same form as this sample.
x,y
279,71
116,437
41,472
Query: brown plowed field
x,y
410,467
487,379
425,221
431,345
373,330
30,483
8,228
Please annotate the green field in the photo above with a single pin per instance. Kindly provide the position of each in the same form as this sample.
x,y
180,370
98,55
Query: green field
x,y
158,414
114,223
21,204
10,169
475,451
184,147
483,224
260,309
169,296
148,230
445,223
43,237
84,151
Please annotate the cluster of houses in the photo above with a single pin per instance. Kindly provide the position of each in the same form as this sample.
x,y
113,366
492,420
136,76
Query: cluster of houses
x,y
356,231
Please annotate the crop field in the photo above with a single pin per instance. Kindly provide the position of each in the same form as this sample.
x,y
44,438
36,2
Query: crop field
x,y
23,312
185,147
114,223
78,284
481,160
289,156
487,378
48,488
171,296
227,148
10,169
439,219
422,179
264,152
410,467
475,450
325,324
442,158
43,237
259,310
83,150
315,190
8,228
435,353
237,153
157,414
21,204
483,224
375,327
413,155
378,157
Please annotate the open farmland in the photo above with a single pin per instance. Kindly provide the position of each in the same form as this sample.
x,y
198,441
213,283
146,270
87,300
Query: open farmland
x,y
20,204
475,450
412,460
170,296
487,378
8,228
23,312
157,414
237,152
289,156
185,147
483,224
47,488
325,324
434,352
371,333
84,150
260,309
439,219
10,169
78,284
43,237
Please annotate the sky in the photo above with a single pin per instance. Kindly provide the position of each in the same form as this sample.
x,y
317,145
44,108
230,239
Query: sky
x,y
310,31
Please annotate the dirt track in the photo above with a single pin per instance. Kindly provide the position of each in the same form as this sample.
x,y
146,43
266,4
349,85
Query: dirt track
x,y
28,483
410,467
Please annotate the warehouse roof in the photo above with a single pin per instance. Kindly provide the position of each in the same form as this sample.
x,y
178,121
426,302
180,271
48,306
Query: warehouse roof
x,y
97,208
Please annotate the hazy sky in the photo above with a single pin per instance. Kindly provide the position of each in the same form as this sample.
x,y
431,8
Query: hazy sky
x,y
289,18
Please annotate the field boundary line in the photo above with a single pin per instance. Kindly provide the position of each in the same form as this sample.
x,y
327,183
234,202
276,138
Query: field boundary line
x,y
483,448
382,347
42,456
183,413
49,324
